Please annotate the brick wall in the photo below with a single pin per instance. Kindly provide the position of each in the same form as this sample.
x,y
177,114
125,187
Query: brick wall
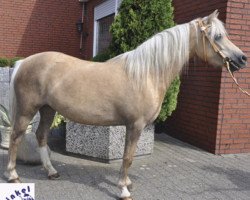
x,y
89,28
212,114
233,134
195,120
28,27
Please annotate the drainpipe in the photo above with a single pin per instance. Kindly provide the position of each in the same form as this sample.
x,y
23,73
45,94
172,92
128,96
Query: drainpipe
x,y
82,19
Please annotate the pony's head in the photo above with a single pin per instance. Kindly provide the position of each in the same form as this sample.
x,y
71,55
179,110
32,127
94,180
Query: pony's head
x,y
214,46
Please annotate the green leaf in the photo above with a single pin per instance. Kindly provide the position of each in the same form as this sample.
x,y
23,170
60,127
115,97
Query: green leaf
x,y
58,120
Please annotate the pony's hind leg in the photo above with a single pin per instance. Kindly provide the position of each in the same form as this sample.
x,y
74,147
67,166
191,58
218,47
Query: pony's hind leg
x,y
47,115
19,129
132,136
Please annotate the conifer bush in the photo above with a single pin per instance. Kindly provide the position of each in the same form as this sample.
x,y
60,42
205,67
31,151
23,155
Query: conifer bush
x,y
136,22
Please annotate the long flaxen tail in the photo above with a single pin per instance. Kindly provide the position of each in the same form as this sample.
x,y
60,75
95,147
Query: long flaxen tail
x,y
12,91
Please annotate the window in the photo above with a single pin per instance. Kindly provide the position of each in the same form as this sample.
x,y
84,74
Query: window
x,y
103,35
104,15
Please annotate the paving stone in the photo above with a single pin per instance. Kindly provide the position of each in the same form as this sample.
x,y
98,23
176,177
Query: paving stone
x,y
210,177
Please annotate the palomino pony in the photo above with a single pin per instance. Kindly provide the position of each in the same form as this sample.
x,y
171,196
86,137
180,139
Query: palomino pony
x,y
126,90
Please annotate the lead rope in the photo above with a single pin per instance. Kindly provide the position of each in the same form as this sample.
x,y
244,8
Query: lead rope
x,y
235,80
204,48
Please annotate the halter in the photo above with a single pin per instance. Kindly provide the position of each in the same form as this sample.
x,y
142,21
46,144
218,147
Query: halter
x,y
226,60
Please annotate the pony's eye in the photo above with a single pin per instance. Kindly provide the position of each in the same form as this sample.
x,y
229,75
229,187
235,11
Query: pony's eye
x,y
218,37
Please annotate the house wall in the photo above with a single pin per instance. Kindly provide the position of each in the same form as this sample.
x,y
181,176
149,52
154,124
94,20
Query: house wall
x,y
28,27
233,131
195,120
89,22
88,28
212,113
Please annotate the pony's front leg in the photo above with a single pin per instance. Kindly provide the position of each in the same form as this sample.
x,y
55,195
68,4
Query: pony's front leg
x,y
132,136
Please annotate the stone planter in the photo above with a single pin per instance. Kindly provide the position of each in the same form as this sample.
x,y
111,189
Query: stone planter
x,y
60,131
28,149
104,142
5,137
5,74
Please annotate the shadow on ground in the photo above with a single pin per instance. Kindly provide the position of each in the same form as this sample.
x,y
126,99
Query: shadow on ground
x,y
165,138
95,175
239,178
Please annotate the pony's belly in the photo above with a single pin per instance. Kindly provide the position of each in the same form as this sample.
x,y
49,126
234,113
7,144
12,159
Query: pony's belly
x,y
92,116
96,120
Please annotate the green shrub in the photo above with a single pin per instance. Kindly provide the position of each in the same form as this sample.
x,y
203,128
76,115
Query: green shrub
x,y
137,21
170,101
102,57
58,120
13,60
4,62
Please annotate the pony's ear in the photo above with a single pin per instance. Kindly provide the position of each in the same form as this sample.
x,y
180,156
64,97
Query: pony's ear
x,y
212,16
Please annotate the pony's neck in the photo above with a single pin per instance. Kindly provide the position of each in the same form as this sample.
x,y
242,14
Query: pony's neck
x,y
162,88
160,59
192,46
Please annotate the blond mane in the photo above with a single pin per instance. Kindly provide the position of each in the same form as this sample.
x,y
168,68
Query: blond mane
x,y
164,55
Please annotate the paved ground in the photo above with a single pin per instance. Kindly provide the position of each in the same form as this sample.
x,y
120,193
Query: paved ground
x,y
174,171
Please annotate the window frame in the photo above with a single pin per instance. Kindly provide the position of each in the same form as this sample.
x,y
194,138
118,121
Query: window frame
x,y
102,10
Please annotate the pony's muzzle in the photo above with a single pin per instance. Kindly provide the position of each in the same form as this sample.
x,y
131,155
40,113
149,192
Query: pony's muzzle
x,y
239,62
242,60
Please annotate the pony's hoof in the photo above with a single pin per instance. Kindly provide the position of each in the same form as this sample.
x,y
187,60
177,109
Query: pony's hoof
x,y
126,198
55,176
17,180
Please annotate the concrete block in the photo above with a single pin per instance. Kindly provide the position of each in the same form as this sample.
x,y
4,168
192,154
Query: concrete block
x,y
4,94
10,72
4,86
28,150
4,74
104,142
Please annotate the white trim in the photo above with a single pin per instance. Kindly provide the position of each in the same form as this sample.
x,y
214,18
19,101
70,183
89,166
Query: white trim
x,y
118,3
95,38
116,7
102,10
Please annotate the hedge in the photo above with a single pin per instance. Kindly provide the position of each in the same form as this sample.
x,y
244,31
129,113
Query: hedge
x,y
8,62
